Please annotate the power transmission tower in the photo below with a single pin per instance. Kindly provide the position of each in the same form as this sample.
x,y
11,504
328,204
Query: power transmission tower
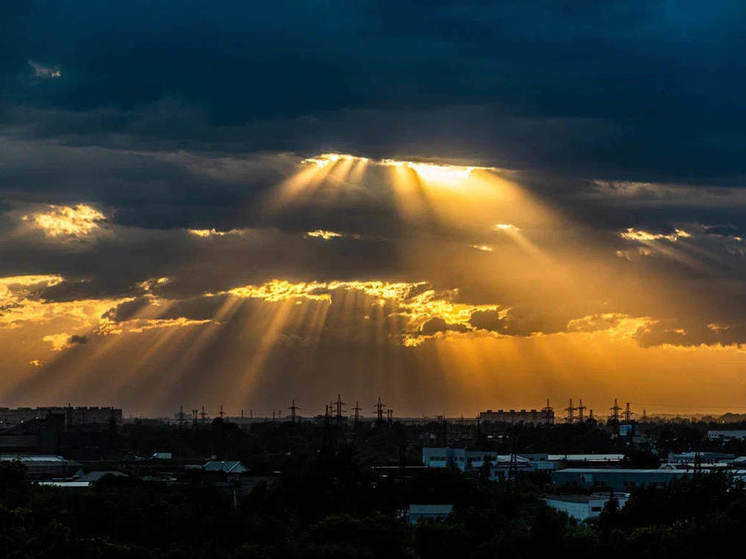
x,y
548,412
389,416
293,408
339,409
203,415
570,413
221,411
357,410
180,417
580,409
615,409
194,417
379,411
628,413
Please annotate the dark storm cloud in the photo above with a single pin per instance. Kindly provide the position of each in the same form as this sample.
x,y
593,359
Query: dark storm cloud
x,y
621,90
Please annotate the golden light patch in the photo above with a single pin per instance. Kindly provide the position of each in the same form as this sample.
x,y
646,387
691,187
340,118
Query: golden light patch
x,y
58,341
436,174
614,324
632,234
483,248
415,302
80,221
210,233
323,234
13,287
138,326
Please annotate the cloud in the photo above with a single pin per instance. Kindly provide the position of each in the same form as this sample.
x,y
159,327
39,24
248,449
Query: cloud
x,y
482,248
63,341
46,72
78,222
632,234
322,234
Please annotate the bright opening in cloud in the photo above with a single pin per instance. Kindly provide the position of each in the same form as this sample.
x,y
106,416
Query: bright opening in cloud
x,y
78,221
323,234
632,234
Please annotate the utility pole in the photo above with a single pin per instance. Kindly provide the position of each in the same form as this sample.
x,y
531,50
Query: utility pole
x,y
513,464
570,413
581,409
615,409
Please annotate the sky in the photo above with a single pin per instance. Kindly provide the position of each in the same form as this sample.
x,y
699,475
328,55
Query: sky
x,y
454,206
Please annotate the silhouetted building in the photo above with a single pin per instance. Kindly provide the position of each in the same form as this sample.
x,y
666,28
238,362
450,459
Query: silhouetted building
x,y
618,479
82,415
536,417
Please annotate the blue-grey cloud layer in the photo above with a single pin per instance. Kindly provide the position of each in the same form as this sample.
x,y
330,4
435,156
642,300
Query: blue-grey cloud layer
x,y
643,90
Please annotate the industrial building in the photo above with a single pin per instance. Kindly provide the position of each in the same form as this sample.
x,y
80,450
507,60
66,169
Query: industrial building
x,y
584,507
617,479
44,466
468,460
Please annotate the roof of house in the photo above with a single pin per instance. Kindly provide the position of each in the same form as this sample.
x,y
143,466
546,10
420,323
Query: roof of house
x,y
97,475
227,466
32,458
430,509
585,498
